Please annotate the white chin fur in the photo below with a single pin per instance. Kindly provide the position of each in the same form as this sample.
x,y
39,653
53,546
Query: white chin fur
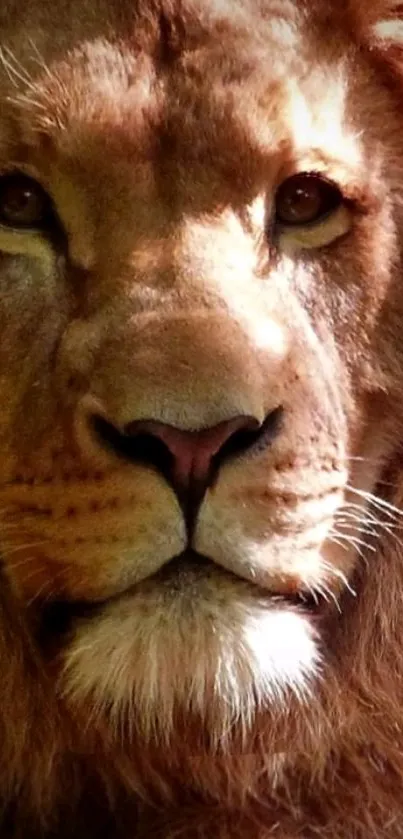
x,y
215,650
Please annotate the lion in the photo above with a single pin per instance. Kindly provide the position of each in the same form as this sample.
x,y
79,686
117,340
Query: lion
x,y
201,391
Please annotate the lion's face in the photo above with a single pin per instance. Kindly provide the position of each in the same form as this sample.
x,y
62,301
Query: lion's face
x,y
199,348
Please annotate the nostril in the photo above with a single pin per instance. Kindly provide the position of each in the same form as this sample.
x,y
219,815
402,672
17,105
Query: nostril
x,y
254,436
143,447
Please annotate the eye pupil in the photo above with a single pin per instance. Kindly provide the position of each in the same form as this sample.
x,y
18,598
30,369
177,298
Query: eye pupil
x,y
23,203
305,199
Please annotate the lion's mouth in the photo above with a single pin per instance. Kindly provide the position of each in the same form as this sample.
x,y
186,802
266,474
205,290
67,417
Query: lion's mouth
x,y
58,616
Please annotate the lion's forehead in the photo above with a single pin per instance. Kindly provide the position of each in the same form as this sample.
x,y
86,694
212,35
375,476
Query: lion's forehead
x,y
217,87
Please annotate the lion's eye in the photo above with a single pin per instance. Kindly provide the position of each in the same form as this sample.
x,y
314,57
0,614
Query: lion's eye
x,y
305,199
23,203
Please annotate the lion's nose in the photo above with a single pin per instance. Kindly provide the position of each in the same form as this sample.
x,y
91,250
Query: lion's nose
x,y
193,453
188,460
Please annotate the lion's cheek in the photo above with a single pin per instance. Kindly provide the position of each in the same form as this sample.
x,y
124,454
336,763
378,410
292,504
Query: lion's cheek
x,y
89,540
269,535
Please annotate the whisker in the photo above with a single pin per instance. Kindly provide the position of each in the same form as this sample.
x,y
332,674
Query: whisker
x,y
6,552
334,536
34,573
49,587
328,595
376,501
356,541
335,572
368,515
38,59
367,523
358,527
16,72
36,596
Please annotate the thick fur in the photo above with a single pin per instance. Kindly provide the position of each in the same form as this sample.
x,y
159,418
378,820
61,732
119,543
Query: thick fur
x,y
202,700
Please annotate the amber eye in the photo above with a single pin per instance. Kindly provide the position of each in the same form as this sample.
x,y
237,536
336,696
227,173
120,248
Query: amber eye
x,y
23,203
305,199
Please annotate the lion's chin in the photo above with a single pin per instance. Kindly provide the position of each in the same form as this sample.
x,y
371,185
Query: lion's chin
x,y
207,645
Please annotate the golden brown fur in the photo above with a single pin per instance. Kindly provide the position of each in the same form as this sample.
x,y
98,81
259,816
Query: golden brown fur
x,y
202,703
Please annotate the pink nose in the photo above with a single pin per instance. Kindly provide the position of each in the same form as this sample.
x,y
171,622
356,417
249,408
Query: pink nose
x,y
192,452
